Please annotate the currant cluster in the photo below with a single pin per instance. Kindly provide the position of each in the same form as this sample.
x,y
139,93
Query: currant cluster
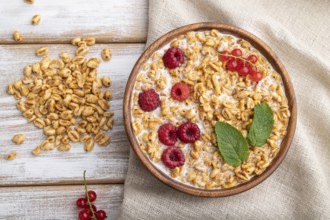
x,y
89,211
243,66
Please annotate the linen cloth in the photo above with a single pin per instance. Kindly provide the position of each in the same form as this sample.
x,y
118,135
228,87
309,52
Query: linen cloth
x,y
299,33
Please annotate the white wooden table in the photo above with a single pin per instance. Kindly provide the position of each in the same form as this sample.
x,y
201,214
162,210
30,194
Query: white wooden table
x,y
46,187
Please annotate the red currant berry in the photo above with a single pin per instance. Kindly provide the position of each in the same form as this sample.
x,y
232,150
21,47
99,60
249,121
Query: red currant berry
x,y
251,68
252,58
256,76
240,64
94,208
231,65
92,196
243,71
84,215
236,52
82,203
89,212
100,215
222,56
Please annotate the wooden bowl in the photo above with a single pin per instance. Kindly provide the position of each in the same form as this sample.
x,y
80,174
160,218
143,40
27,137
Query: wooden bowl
x,y
273,60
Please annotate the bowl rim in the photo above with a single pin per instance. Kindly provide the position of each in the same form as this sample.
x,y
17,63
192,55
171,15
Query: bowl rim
x,y
272,58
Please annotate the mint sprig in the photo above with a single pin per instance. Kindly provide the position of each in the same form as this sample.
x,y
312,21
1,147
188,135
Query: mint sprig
x,y
262,125
231,143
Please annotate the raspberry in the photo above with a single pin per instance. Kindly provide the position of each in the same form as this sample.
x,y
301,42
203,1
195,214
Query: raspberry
x,y
148,100
180,91
173,157
188,132
173,58
167,134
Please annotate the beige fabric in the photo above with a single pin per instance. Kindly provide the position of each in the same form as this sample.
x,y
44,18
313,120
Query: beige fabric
x,y
299,32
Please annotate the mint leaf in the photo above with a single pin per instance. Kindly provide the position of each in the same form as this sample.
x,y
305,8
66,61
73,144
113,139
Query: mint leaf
x,y
262,125
231,143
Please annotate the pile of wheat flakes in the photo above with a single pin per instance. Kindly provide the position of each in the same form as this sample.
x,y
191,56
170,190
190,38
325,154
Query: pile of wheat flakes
x,y
66,98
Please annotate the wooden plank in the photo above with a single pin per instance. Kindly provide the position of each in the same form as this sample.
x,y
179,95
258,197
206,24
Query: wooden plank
x,y
104,165
56,202
61,20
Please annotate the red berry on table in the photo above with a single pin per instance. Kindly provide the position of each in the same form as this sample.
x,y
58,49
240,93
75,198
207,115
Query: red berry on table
x,y
180,91
173,157
88,210
232,65
188,132
173,58
94,208
92,196
148,100
167,134
82,203
243,71
100,215
84,215
236,52
256,76
252,58
223,56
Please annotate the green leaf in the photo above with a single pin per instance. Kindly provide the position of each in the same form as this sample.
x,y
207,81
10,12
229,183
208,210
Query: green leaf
x,y
231,143
262,125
